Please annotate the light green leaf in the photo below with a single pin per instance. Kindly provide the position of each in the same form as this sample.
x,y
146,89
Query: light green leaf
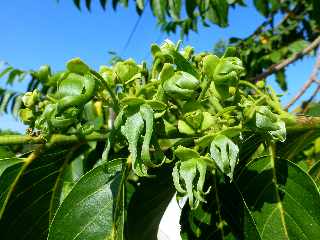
x,y
88,210
225,154
132,130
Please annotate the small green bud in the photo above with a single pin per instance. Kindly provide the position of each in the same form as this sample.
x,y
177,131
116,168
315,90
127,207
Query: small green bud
x,y
76,65
44,72
26,116
261,84
29,99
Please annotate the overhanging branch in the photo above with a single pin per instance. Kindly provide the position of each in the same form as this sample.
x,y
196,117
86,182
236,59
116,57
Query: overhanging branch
x,y
279,66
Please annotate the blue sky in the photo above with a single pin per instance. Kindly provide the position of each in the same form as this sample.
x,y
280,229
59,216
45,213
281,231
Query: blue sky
x,y
40,32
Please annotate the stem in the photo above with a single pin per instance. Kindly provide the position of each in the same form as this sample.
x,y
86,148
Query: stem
x,y
303,123
55,139
205,89
277,67
106,85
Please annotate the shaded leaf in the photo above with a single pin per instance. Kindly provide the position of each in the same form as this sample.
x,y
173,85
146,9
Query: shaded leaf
x,y
34,194
89,208
148,205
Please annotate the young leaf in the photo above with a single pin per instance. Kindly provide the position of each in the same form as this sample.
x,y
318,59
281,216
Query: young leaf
x,y
225,154
132,130
88,210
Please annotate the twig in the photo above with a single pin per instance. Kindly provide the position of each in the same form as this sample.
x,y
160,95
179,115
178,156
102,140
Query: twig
x,y
55,139
314,94
277,67
312,79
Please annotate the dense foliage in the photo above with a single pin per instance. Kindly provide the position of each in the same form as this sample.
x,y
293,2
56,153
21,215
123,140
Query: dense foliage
x,y
108,149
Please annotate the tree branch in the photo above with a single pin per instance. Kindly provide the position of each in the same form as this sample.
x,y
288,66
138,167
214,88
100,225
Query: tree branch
x,y
55,139
279,66
312,79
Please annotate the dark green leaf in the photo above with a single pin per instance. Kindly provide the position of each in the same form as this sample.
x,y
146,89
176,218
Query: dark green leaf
x,y
88,4
34,188
314,172
88,210
282,199
281,80
77,3
148,204
190,7
103,4
262,6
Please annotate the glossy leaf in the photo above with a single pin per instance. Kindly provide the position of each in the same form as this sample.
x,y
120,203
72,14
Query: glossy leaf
x,y
314,172
34,195
269,187
89,208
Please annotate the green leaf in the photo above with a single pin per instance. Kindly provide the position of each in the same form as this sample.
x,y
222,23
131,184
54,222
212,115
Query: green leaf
x,y
88,4
76,65
217,12
88,210
191,173
184,153
314,172
148,205
316,11
298,46
262,6
225,154
281,80
175,9
158,9
282,199
190,7
77,3
103,4
132,130
33,193
10,169
6,71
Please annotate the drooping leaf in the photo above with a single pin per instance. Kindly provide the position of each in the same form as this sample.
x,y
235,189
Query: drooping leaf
x,y
132,130
281,80
190,7
88,4
77,3
159,9
189,175
88,210
225,154
282,199
103,4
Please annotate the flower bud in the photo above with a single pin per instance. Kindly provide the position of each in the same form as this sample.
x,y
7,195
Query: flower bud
x,y
29,99
26,116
